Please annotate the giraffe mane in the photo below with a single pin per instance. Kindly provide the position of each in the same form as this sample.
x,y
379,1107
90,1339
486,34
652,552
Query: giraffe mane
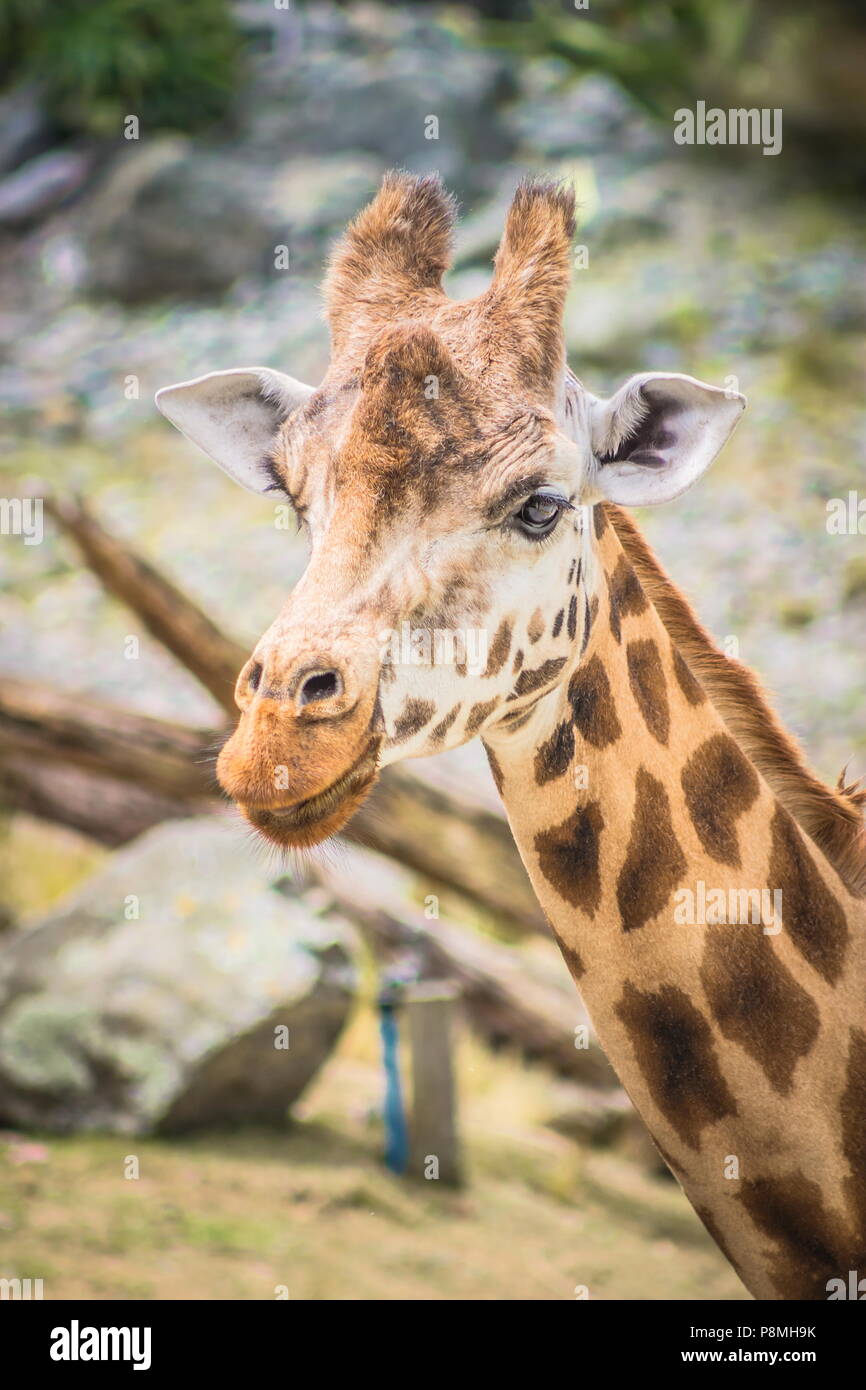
x,y
832,818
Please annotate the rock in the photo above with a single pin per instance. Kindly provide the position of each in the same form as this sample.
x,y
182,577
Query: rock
x,y
395,84
169,1020
41,185
479,233
311,200
24,127
605,1120
175,219
562,115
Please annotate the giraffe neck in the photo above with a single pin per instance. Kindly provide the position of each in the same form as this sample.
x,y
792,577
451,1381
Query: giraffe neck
x,y
653,844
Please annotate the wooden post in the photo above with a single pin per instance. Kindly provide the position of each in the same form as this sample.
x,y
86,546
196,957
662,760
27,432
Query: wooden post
x,y
430,1009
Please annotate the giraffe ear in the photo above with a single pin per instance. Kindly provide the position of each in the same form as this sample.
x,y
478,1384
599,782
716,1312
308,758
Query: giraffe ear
x,y
658,434
234,416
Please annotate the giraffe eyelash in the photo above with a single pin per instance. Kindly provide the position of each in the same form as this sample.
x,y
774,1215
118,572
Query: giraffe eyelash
x,y
555,497
550,499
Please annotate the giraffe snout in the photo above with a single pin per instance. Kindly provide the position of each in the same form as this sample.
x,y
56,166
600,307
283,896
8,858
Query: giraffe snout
x,y
305,747
318,686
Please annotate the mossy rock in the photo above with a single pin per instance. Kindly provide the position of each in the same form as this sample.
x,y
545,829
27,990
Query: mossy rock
x,y
177,989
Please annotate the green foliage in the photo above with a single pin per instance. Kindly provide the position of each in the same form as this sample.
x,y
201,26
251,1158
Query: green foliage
x,y
653,50
172,63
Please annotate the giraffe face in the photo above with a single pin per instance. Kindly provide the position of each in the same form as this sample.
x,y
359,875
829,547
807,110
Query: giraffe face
x,y
442,472
439,594
442,531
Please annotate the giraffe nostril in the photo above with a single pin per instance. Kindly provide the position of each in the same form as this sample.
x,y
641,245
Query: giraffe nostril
x,y
320,685
255,676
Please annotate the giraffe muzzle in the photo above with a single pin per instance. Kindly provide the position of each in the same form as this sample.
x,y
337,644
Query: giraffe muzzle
x,y
304,754
307,823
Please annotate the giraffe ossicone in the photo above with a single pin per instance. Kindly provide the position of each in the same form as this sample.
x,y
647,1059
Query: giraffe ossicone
x,y
454,479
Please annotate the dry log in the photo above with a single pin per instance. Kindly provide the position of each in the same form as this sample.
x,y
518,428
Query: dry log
x,y
458,844
450,838
166,612
505,997
461,845
106,809
51,726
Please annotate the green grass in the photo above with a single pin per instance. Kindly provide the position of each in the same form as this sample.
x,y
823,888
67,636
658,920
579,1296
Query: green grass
x,y
237,1215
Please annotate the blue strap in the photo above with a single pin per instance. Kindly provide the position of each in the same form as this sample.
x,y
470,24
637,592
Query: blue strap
x,y
396,1133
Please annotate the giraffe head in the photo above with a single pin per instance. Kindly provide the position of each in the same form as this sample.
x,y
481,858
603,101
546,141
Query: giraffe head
x,y
444,471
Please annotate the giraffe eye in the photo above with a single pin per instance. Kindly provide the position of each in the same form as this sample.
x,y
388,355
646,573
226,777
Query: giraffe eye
x,y
539,514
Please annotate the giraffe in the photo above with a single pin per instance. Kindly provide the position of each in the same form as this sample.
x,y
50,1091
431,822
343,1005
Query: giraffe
x,y
452,474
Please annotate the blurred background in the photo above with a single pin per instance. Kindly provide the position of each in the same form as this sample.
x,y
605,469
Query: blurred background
x,y
171,177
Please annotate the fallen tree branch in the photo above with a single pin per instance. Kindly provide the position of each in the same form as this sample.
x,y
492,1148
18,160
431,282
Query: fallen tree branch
x,y
450,839
108,810
504,997
167,613
54,727
459,845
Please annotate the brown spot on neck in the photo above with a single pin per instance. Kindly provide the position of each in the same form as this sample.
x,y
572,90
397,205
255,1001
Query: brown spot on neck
x,y
438,732
529,681
811,914
572,958
812,1243
478,714
592,704
415,714
673,1047
687,683
568,857
654,862
554,756
590,614
500,648
625,596
719,786
756,1001
648,686
495,768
